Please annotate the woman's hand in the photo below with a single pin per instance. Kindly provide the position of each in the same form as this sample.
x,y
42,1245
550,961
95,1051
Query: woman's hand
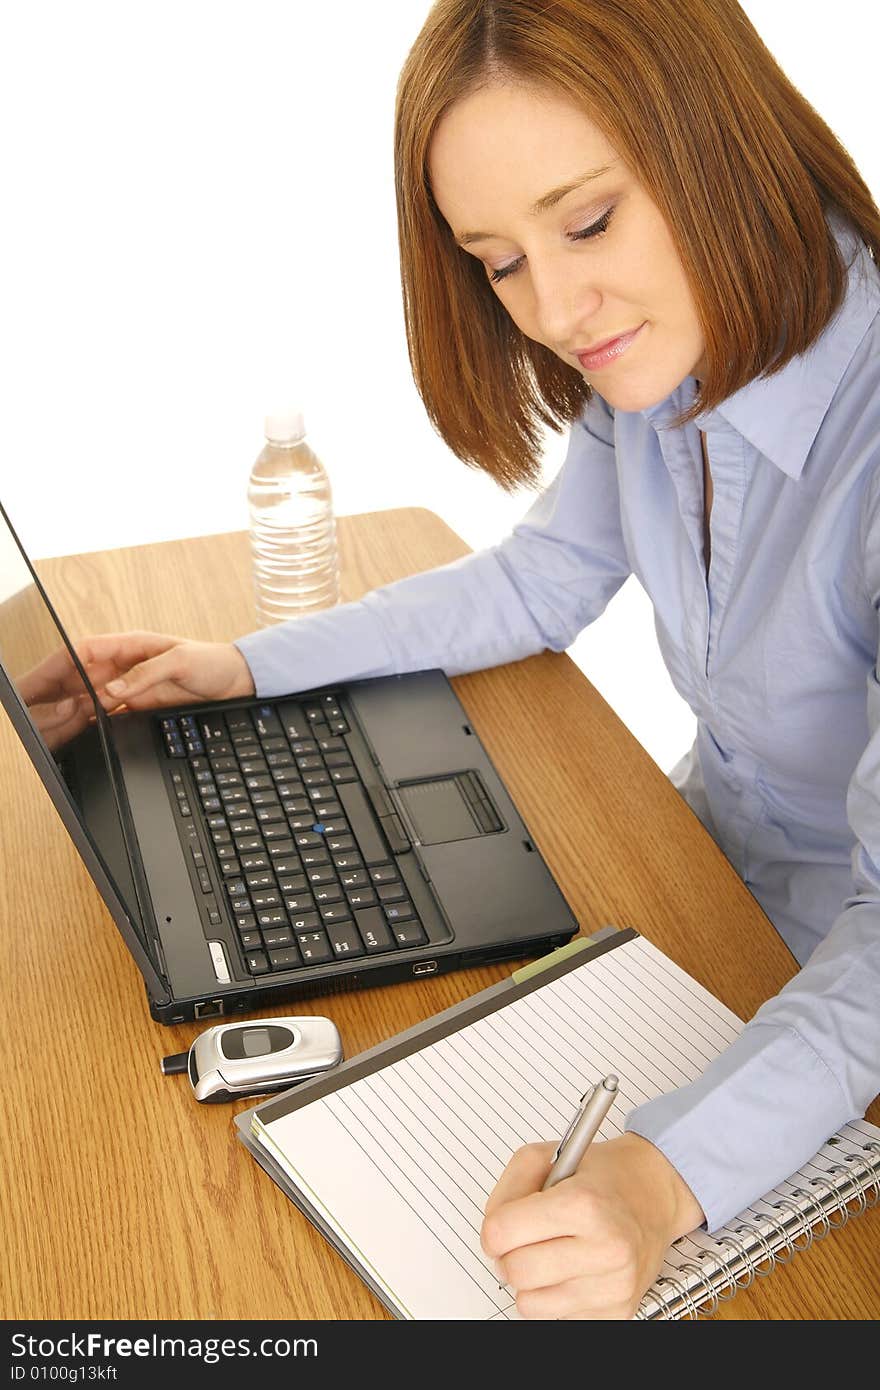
x,y
590,1246
144,670
56,698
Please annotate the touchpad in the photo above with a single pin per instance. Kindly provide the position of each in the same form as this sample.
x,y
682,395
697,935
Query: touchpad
x,y
449,808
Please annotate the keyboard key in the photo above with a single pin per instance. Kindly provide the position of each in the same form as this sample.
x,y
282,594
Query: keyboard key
x,y
374,929
245,921
263,799
332,744
345,940
292,883
362,897
314,858
255,782
343,774
304,921
340,759
321,876
251,767
410,934
299,903
277,936
400,912
272,917
282,847
318,795
328,893
308,840
282,759
385,873
315,947
293,721
338,844
390,892
251,940
262,900
287,958
253,863
248,844
266,722
351,860
310,762
225,765
354,878
230,779
260,880
334,912
257,963
289,778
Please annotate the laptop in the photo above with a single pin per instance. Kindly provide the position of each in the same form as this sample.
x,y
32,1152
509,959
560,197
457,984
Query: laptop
x,y
256,851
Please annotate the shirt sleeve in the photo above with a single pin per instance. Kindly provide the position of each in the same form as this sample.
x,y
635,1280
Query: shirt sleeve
x,y
536,589
809,1060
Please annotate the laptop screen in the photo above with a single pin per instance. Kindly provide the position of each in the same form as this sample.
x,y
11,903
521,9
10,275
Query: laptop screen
x,y
38,663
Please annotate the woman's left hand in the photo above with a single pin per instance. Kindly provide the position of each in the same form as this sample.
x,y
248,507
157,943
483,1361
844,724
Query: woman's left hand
x,y
590,1246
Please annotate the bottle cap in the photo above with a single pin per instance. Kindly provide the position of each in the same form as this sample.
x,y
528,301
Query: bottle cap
x,y
285,426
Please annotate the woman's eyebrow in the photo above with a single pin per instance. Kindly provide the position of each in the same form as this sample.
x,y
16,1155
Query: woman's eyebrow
x,y
542,204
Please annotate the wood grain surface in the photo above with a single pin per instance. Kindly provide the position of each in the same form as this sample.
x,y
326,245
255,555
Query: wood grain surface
x,y
122,1197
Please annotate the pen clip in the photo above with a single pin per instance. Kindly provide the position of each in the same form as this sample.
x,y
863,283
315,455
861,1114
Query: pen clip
x,y
567,1135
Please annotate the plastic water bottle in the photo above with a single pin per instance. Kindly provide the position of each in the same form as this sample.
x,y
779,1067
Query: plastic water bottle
x,y
292,527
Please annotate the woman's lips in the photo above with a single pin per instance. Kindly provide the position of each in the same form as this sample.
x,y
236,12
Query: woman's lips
x,y
607,352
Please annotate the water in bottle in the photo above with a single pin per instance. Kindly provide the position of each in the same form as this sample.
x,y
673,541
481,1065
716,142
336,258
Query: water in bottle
x,y
292,527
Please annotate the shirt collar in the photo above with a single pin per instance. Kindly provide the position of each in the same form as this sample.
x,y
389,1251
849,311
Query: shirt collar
x,y
781,415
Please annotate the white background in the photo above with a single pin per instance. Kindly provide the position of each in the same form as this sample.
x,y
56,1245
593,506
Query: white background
x,y
199,222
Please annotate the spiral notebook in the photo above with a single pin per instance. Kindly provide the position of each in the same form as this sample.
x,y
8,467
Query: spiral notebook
x,y
393,1155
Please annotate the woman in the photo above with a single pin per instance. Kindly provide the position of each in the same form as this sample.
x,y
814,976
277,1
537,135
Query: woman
x,y
620,215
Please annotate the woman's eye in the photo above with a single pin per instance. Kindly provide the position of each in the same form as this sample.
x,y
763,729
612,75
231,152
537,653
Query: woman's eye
x,y
594,229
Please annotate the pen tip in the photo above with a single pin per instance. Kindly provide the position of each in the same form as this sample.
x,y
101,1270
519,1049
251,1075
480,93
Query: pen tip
x,y
610,1083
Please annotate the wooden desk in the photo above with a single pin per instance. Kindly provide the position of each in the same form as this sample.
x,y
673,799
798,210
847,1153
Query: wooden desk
x,y
122,1198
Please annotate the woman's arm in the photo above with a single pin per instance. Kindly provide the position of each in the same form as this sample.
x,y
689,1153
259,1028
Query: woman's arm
x,y
537,589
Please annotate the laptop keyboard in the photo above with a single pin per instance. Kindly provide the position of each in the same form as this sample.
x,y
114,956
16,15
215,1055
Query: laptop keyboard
x,y
310,877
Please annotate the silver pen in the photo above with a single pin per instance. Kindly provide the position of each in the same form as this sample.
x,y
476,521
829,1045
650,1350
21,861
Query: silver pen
x,y
592,1110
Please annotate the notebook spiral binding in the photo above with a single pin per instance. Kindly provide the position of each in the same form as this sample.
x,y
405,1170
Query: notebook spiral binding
x,y
751,1252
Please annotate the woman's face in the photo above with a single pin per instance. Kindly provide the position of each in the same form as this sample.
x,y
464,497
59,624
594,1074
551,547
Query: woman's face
x,y
572,245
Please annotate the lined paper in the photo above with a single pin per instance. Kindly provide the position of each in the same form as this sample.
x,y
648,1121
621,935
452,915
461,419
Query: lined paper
x,y
400,1163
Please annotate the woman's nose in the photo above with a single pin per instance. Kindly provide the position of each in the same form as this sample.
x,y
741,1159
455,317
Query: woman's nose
x,y
564,303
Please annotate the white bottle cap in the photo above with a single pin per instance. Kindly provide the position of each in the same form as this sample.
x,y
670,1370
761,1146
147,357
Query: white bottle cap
x,y
285,426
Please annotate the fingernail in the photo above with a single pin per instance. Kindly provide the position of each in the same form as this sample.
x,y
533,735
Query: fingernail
x,y
116,687
65,706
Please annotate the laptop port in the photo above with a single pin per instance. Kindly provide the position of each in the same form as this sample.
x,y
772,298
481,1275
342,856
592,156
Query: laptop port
x,y
210,1009
425,967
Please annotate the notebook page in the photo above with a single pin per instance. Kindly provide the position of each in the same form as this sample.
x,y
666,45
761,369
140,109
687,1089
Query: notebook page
x,y
400,1163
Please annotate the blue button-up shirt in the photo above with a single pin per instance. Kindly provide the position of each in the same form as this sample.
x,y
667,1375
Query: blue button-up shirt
x,y
776,655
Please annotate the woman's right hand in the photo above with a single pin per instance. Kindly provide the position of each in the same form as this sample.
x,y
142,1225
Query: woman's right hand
x,y
150,669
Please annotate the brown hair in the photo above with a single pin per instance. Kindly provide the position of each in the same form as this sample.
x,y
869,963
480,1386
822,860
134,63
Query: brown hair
x,y
737,161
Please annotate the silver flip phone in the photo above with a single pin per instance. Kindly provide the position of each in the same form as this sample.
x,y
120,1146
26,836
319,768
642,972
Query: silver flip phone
x,y
249,1059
